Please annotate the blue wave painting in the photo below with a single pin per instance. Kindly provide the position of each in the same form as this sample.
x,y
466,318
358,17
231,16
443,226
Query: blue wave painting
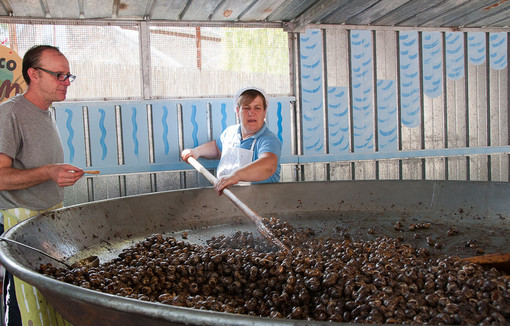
x,y
166,144
135,130
338,119
279,121
454,55
409,79
103,133
311,83
387,115
223,116
476,48
71,134
498,50
193,120
362,90
432,64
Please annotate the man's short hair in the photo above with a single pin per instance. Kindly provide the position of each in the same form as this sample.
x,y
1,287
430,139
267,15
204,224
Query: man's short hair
x,y
249,95
32,58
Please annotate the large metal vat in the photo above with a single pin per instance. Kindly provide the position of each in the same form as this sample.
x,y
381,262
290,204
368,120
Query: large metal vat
x,y
480,211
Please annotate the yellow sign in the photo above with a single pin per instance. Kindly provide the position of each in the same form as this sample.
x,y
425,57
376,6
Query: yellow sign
x,y
11,76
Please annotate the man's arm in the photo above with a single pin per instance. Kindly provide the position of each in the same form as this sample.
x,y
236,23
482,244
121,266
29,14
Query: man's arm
x,y
258,170
207,150
15,179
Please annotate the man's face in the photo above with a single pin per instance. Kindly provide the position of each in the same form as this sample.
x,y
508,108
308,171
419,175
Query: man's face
x,y
252,116
48,86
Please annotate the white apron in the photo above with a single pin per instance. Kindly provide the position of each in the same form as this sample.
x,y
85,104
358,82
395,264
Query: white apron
x,y
233,158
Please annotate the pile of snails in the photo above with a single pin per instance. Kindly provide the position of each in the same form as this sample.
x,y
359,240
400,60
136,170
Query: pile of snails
x,y
340,280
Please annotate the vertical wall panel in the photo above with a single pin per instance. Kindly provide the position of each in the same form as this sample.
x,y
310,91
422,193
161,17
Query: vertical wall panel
x,y
412,169
341,171
105,187
498,99
278,121
387,117
135,135
410,100
170,180
194,120
222,115
312,106
362,92
409,71
433,108
137,184
165,132
103,135
365,170
70,125
338,120
103,149
387,103
456,109
337,54
315,172
477,99
312,90
69,119
194,129
135,142
76,194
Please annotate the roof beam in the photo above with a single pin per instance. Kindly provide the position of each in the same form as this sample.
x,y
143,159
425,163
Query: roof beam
x,y
316,13
7,7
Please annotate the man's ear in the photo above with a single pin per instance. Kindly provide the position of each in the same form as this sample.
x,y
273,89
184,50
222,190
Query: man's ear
x,y
33,74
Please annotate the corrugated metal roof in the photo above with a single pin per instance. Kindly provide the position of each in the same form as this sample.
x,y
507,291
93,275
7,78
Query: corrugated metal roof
x,y
293,14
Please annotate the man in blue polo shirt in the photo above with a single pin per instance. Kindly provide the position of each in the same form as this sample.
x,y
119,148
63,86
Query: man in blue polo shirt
x,y
249,151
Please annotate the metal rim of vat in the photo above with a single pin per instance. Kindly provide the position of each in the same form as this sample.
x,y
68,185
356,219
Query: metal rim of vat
x,y
292,197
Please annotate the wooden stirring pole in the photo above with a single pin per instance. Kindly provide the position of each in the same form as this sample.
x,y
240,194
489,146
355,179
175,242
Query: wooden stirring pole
x,y
242,206
500,261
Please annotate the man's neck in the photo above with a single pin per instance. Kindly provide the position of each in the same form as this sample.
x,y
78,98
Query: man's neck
x,y
36,100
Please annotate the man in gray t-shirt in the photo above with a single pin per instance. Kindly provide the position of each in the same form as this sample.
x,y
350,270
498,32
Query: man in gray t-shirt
x,y
29,136
32,173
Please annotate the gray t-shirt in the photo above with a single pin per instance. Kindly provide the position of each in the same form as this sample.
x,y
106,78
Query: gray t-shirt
x,y
30,137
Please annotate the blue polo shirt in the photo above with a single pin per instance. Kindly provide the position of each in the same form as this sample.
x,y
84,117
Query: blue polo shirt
x,y
265,142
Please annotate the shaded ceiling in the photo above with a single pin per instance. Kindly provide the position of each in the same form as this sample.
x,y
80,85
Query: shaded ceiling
x,y
292,14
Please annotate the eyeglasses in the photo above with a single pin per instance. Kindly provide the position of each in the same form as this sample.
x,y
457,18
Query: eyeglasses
x,y
60,77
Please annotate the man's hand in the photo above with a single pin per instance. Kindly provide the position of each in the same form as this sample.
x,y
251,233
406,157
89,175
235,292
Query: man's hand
x,y
225,182
64,175
186,154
